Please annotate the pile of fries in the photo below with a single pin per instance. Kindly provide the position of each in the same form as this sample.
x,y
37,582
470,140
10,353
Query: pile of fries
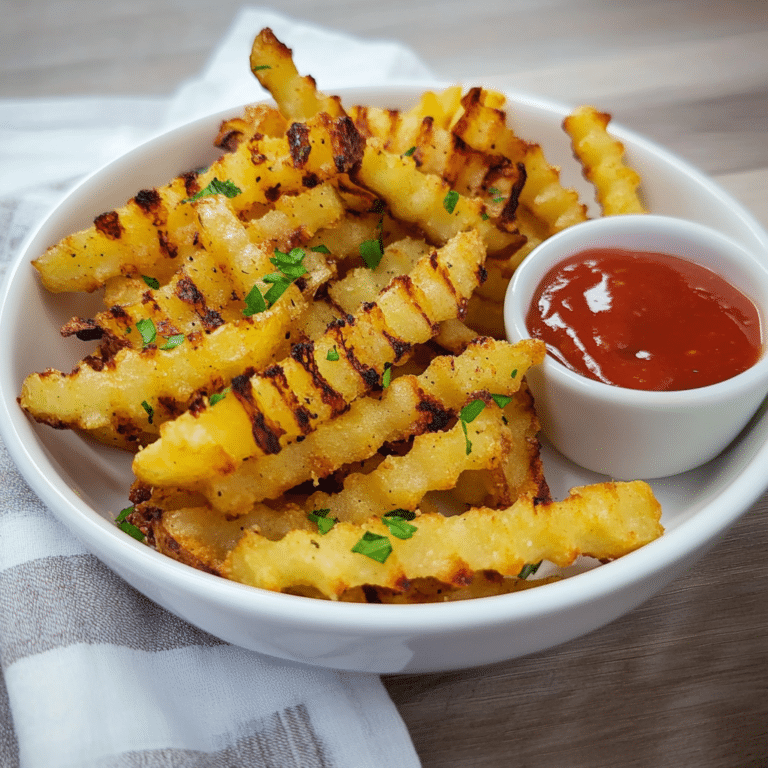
x,y
303,345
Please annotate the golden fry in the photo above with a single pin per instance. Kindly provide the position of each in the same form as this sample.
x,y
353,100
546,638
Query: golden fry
x,y
601,156
603,521
271,345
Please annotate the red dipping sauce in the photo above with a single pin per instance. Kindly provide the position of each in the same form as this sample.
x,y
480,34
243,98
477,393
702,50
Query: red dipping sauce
x,y
644,320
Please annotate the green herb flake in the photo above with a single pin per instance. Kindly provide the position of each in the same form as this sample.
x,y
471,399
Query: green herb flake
x,y
131,530
216,187
450,200
528,570
123,514
496,195
152,282
147,329
254,302
399,527
173,341
291,263
471,411
259,67
149,409
467,441
127,527
409,152
320,249
372,253
278,286
333,355
378,548
501,400
514,374
405,514
218,396
320,517
468,414
386,377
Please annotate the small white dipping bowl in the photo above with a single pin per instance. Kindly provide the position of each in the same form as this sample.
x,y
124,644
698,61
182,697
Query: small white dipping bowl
x,y
632,433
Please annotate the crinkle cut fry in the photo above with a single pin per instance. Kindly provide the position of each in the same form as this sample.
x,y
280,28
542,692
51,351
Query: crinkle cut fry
x,y
208,289
426,200
124,402
158,226
261,118
410,405
296,96
543,196
437,151
601,156
179,525
201,537
399,127
289,400
605,521
434,463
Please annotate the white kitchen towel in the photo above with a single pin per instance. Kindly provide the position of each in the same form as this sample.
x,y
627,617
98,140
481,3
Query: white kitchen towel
x,y
94,674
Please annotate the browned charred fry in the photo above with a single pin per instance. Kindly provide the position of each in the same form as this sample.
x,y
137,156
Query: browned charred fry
x,y
409,310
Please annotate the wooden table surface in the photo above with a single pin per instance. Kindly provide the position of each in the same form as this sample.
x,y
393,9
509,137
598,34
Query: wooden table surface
x,y
682,680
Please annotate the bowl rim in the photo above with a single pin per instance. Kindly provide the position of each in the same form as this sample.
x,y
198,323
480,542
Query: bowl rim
x,y
735,497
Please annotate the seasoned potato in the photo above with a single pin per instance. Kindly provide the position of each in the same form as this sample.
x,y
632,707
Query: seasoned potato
x,y
604,521
304,345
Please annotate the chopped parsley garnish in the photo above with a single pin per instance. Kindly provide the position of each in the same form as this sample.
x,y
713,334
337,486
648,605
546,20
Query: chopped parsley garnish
x,y
127,527
496,195
398,526
259,67
218,396
216,187
405,514
372,252
291,266
409,152
320,249
386,377
450,200
278,284
254,302
147,329
528,570
514,373
149,409
468,414
291,263
333,355
501,400
320,517
378,548
472,410
173,341
152,282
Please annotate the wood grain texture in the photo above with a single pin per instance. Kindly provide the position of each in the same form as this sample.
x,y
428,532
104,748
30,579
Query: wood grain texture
x,y
682,680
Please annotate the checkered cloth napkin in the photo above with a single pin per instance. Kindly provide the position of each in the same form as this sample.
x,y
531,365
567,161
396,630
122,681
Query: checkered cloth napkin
x,y
94,674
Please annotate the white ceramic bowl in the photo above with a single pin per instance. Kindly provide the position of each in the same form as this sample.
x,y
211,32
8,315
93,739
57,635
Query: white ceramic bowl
x,y
632,433
85,485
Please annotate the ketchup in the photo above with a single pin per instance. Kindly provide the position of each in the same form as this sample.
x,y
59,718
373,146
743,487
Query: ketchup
x,y
644,320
